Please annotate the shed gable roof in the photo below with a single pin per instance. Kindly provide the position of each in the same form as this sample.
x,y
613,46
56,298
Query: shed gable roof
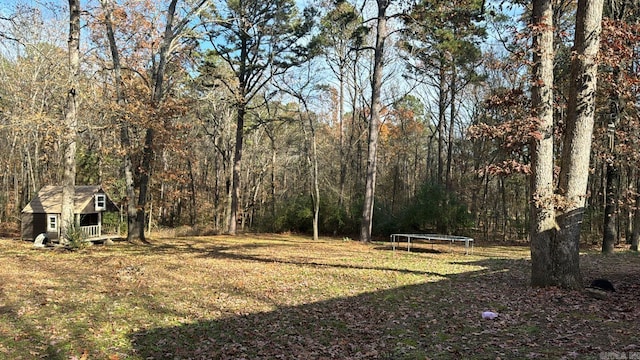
x,y
49,199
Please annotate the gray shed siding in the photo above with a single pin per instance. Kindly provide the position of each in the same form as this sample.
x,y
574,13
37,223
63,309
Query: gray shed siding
x,y
34,225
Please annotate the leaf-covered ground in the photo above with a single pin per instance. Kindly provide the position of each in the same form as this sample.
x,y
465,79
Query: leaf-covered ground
x,y
288,297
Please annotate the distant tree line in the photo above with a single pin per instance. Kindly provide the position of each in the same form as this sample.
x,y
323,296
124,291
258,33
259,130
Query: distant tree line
x,y
345,118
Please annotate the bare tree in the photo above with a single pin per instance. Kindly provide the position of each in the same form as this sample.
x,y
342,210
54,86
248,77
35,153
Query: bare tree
x,y
125,141
254,57
173,31
301,88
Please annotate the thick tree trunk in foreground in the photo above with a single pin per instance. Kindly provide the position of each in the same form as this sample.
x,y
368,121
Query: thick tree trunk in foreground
x,y
576,153
374,123
543,224
555,244
71,122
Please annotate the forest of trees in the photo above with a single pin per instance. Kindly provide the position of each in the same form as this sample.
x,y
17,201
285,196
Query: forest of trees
x,y
348,118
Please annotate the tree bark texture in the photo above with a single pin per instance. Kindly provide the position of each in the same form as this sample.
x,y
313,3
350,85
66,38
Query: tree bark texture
x,y
71,122
543,224
374,122
576,152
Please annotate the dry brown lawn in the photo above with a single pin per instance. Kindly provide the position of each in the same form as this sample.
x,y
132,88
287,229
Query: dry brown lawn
x,y
289,297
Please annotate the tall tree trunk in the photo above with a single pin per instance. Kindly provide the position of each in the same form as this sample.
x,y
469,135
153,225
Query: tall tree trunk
x,y
312,159
193,196
504,209
374,122
243,75
145,175
442,118
272,187
448,181
343,157
576,152
635,236
71,122
237,160
133,230
171,32
543,224
610,236
353,144
316,189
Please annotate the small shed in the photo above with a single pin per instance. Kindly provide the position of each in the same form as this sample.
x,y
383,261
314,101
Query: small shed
x,y
42,214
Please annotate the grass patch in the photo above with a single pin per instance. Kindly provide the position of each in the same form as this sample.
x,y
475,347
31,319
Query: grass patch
x,y
272,296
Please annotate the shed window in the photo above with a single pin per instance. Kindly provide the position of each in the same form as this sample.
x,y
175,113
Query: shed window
x,y
52,223
101,202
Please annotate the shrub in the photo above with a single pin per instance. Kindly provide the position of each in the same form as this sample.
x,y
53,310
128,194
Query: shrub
x,y
296,215
336,219
434,209
75,238
111,223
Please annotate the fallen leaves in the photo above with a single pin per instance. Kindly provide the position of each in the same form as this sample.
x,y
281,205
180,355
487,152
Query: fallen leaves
x,y
285,297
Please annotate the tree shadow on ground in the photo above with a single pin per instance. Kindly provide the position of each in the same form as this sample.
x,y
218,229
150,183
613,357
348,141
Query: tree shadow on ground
x,y
440,320
414,249
240,252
